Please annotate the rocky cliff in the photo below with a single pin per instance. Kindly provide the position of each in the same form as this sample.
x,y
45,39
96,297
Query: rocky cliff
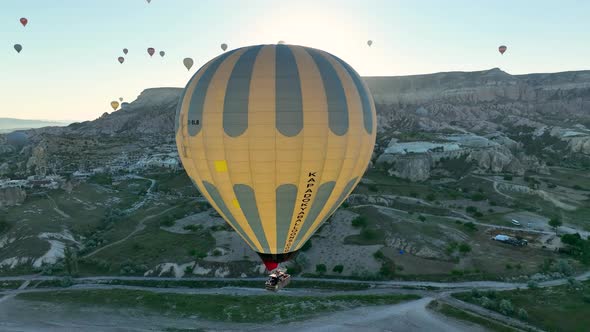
x,y
530,119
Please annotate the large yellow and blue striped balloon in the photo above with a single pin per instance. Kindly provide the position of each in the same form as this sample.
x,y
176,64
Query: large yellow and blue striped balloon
x,y
276,137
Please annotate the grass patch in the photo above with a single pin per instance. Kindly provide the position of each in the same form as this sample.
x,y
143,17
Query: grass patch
x,y
225,308
10,284
324,285
560,308
463,315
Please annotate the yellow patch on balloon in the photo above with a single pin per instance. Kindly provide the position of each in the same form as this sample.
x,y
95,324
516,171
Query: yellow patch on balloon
x,y
236,203
220,166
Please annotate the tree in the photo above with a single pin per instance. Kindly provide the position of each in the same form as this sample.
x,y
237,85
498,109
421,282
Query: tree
x,y
422,218
555,223
321,268
523,314
506,307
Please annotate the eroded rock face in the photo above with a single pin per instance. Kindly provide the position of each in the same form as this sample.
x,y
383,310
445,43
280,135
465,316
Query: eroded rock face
x,y
12,196
580,145
414,168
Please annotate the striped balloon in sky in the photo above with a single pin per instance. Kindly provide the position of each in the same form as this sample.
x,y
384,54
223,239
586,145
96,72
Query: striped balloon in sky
x,y
276,137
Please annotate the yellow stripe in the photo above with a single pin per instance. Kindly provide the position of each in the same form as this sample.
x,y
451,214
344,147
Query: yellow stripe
x,y
314,136
208,145
346,149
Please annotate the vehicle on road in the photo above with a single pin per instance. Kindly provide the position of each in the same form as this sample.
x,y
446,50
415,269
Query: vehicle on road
x,y
516,222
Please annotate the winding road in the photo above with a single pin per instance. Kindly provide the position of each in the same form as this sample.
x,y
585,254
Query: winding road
x,y
20,315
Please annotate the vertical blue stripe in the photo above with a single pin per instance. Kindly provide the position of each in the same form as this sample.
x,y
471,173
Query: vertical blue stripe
x,y
235,107
288,101
195,111
286,195
229,218
336,97
247,200
363,93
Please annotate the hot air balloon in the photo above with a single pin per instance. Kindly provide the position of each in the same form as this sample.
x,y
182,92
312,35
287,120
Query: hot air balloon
x,y
502,49
281,42
287,142
188,63
162,53
18,47
224,46
24,21
114,104
121,59
125,51
151,51
369,42
148,1
120,98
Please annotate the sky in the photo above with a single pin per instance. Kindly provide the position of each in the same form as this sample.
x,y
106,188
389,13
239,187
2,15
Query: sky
x,y
68,68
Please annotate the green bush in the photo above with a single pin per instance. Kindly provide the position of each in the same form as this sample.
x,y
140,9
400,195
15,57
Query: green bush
x,y
506,307
470,226
422,218
338,269
464,248
378,254
321,268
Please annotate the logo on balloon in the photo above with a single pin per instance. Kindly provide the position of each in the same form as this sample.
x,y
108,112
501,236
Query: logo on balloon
x,y
302,210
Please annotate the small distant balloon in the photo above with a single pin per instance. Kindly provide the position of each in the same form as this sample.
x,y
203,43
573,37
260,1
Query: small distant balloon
x,y
148,1
151,51
121,59
120,98
188,63
369,42
125,51
114,104
24,21
502,49
18,47
162,53
281,42
224,46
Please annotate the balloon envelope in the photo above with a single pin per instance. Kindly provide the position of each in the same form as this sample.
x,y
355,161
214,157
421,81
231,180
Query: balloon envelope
x,y
369,42
276,137
281,42
162,53
151,51
502,49
125,51
114,104
120,98
224,46
24,21
121,59
188,63
18,47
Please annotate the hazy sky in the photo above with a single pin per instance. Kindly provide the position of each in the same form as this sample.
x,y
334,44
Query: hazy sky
x,y
68,68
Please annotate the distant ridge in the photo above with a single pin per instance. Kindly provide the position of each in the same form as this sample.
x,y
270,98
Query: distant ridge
x,y
12,124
